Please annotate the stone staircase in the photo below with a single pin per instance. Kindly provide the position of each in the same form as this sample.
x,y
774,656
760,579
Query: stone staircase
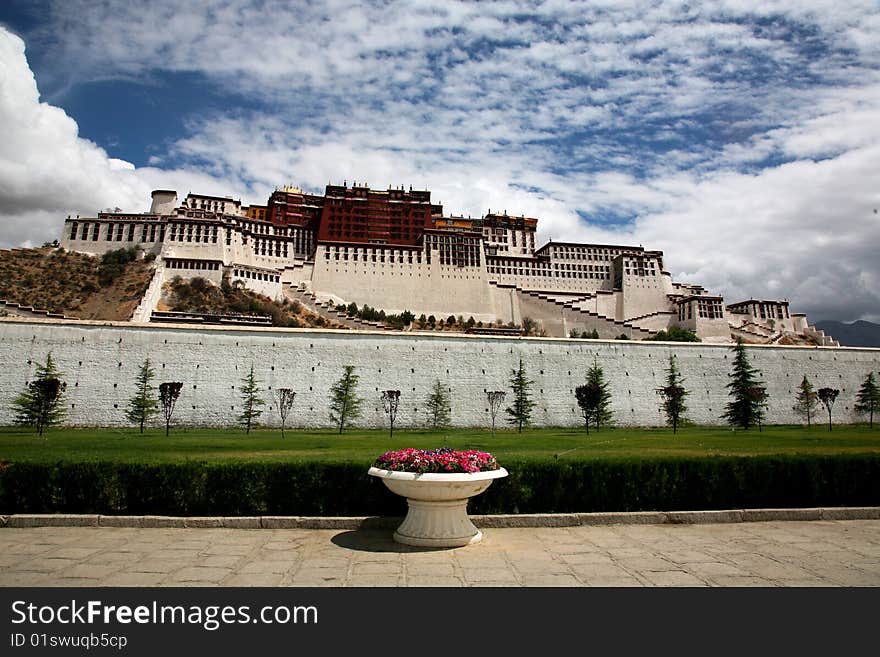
x,y
328,311
550,306
18,310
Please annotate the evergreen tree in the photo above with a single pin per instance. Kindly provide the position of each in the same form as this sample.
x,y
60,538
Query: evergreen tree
x,y
599,396
345,405
169,393
144,405
41,404
439,407
746,408
251,401
673,394
520,411
806,400
868,399
828,396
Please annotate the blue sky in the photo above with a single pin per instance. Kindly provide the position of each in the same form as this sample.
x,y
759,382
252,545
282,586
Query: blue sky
x,y
740,137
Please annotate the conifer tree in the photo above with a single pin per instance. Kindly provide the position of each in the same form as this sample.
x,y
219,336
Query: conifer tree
x,y
251,401
41,403
345,405
806,400
868,399
600,395
746,407
439,407
144,405
519,413
673,394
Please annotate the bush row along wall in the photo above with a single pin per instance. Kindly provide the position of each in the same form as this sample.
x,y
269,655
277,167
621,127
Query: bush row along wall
x,y
344,489
100,362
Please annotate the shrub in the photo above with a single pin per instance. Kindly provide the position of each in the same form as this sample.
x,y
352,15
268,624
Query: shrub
x,y
345,489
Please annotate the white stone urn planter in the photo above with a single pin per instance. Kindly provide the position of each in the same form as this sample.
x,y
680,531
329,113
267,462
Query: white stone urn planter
x,y
437,515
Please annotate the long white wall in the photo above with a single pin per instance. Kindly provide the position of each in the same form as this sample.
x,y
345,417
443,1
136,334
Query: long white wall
x,y
100,361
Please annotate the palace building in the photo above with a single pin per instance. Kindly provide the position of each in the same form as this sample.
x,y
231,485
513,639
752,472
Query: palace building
x,y
396,250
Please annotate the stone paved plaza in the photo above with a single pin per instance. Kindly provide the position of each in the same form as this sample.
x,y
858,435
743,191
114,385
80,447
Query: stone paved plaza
x,y
780,553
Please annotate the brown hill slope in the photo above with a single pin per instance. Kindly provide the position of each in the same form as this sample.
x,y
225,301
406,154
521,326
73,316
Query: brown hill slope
x,y
75,284
201,296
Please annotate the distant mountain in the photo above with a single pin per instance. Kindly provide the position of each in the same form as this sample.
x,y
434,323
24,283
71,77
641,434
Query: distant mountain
x,y
857,334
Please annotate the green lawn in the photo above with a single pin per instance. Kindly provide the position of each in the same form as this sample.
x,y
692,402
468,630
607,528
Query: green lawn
x,y
127,445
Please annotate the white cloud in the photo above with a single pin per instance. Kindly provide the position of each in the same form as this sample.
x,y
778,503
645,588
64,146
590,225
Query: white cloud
x,y
47,171
762,183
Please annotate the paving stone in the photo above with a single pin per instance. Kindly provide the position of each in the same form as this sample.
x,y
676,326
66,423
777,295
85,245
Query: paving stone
x,y
727,580
133,579
19,578
599,571
255,579
769,553
672,578
46,565
376,568
201,574
434,580
430,569
74,552
472,575
266,567
220,561
587,558
375,580
158,566
686,556
173,554
90,571
644,564
711,569
615,582
71,581
107,558
550,579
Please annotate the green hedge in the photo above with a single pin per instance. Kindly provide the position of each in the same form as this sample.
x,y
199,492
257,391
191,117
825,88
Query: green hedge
x,y
344,489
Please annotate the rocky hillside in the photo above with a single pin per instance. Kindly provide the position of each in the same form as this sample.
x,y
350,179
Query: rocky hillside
x,y
201,296
75,284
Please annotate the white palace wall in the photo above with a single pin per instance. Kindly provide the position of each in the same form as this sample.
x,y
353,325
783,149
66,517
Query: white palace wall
x,y
100,361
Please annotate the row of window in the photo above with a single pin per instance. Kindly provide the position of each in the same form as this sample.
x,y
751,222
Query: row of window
x,y
373,254
275,248
256,275
178,263
192,233
584,253
706,309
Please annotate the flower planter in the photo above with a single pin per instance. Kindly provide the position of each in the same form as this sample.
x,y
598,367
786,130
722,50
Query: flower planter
x,y
437,515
